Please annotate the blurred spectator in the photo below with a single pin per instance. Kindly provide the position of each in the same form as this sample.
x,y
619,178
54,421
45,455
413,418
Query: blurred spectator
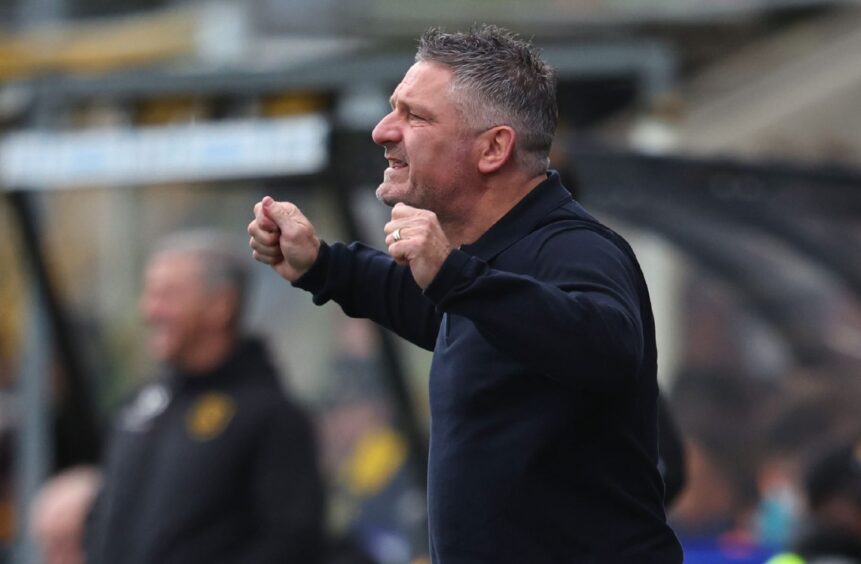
x,y
59,513
833,487
210,462
375,495
811,409
718,412
832,529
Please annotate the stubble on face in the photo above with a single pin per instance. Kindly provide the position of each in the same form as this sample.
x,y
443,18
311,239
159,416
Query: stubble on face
x,y
439,195
422,141
386,191
398,185
415,195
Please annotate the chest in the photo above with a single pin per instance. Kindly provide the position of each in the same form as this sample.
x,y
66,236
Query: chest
x,y
197,438
470,375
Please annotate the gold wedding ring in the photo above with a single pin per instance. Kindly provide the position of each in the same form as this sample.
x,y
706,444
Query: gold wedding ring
x,y
396,234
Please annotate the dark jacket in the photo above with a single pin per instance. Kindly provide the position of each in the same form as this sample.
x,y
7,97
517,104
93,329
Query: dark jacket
x,y
542,388
214,468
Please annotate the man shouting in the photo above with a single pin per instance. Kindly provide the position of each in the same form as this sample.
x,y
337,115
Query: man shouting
x,y
543,383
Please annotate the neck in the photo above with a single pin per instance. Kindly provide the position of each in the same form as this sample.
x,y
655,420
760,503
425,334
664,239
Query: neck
x,y
496,197
209,352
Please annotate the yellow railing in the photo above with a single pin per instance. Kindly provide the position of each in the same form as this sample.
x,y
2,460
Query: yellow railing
x,y
98,46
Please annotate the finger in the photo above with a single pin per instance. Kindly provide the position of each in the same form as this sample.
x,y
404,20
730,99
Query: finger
x,y
285,215
401,211
269,250
398,251
265,222
267,259
402,233
265,250
390,227
263,236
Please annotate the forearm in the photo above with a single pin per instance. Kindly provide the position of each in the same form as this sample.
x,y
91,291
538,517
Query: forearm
x,y
367,283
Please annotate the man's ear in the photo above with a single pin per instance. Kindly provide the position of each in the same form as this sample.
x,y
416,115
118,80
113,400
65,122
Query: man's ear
x,y
497,148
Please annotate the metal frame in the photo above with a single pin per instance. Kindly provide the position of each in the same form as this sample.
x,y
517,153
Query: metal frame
x,y
695,203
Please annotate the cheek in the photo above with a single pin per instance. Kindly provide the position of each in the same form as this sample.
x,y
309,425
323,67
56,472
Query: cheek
x,y
187,319
172,317
438,161
430,160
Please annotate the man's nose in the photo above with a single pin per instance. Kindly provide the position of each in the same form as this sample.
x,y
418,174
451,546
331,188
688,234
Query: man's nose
x,y
387,130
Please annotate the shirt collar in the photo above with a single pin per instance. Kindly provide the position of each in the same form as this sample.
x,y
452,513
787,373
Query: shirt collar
x,y
521,219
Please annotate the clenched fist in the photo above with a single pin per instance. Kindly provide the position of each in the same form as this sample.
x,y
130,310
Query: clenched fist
x,y
420,242
283,238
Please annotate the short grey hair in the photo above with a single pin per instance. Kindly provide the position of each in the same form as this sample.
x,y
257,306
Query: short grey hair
x,y
221,267
499,79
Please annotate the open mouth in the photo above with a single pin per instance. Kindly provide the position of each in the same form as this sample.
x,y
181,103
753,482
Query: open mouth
x,y
395,163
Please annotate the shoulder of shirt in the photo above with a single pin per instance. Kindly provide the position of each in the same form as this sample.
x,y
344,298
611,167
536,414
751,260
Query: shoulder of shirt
x,y
576,229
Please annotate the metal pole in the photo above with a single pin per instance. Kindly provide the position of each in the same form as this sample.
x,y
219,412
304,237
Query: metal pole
x,y
33,455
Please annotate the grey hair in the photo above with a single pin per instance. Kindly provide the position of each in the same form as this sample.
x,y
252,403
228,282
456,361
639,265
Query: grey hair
x,y
221,267
499,79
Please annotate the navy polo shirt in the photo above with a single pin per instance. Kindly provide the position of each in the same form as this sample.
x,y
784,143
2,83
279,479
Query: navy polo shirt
x,y
542,388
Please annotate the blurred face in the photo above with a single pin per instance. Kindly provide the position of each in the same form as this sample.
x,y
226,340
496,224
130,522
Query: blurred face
x,y
174,305
429,149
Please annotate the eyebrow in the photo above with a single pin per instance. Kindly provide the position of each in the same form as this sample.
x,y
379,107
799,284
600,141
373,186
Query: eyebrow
x,y
423,110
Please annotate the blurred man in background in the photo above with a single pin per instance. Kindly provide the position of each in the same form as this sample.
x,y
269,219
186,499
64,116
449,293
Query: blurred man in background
x,y
808,411
831,528
375,499
833,488
717,410
59,514
209,463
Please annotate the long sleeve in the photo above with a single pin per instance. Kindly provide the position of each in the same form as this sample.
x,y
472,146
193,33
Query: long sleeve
x,y
368,283
576,305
